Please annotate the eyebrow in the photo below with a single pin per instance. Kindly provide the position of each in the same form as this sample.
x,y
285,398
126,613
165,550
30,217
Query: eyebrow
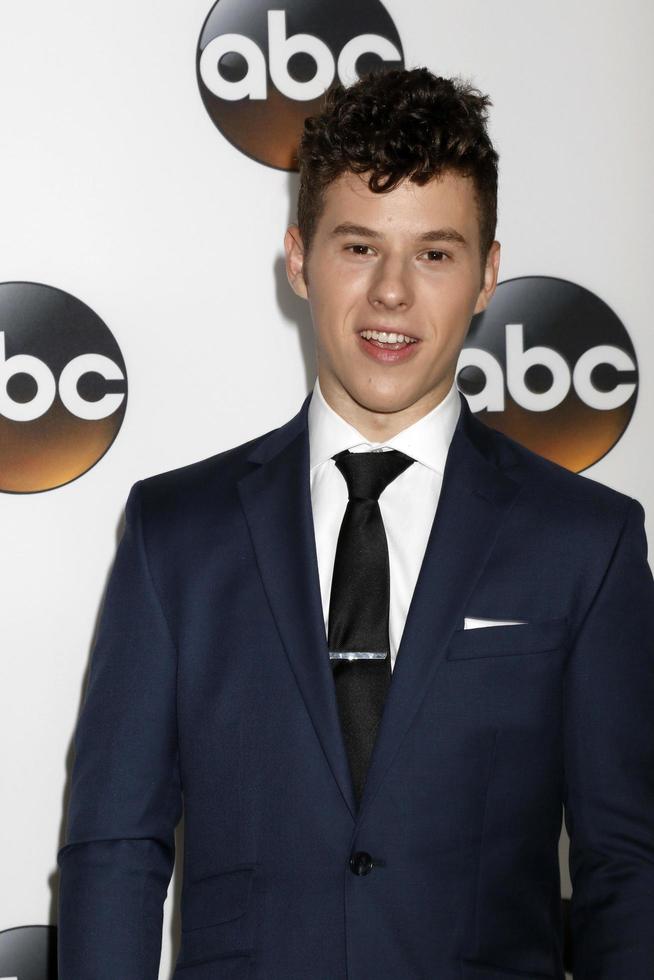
x,y
437,235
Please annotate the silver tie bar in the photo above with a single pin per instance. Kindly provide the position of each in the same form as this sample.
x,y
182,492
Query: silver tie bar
x,y
356,655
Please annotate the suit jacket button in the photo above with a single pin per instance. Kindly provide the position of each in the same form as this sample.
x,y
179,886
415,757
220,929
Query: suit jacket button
x,y
361,863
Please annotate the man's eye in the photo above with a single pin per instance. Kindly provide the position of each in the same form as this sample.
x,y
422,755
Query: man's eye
x,y
364,247
435,255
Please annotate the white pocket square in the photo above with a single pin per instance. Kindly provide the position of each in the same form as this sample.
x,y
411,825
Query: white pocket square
x,y
470,623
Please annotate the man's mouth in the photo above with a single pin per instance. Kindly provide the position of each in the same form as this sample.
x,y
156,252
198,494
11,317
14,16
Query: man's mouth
x,y
388,340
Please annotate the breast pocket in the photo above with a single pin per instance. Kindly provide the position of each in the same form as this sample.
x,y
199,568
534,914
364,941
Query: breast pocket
x,y
520,639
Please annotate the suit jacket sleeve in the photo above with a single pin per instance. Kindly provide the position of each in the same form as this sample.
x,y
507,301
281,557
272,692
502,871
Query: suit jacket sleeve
x,y
609,768
125,798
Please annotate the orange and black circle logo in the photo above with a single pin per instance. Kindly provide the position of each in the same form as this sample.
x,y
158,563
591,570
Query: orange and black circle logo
x,y
551,365
263,70
63,387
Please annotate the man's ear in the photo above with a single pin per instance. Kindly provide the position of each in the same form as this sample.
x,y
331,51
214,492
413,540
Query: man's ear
x,y
491,270
295,261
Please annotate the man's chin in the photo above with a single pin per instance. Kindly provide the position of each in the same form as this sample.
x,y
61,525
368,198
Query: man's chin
x,y
379,400
369,393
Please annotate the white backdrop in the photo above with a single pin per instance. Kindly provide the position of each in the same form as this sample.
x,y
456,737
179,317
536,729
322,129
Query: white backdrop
x,y
116,187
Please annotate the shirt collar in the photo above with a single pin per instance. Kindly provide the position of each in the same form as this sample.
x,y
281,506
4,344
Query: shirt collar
x,y
426,440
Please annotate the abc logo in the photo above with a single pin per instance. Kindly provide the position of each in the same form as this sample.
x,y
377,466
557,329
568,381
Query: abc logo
x,y
551,365
63,387
262,70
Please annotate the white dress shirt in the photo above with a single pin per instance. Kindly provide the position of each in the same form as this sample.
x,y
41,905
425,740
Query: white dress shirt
x,y
407,505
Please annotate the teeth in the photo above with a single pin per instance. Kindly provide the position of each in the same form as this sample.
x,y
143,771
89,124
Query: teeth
x,y
387,338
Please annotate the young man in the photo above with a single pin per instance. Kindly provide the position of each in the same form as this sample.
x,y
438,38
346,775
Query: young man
x,y
376,650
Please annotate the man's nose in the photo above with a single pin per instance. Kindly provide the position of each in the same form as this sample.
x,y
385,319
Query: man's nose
x,y
391,287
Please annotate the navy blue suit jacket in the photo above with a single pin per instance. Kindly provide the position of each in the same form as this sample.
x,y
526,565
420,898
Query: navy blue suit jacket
x,y
210,688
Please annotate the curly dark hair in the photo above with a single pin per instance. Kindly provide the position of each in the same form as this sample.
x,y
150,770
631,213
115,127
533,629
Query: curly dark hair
x,y
398,123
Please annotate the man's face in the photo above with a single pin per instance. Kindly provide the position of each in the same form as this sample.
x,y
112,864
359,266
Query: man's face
x,y
404,262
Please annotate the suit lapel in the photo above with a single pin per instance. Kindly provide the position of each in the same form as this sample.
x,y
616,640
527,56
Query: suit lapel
x,y
475,497
276,498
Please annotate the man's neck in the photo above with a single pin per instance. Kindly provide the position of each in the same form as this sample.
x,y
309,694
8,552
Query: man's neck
x,y
380,426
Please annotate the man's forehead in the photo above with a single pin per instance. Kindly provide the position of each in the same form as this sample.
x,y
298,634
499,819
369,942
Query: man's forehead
x,y
358,183
349,199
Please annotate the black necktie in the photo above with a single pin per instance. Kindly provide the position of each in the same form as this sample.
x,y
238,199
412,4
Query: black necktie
x,y
359,604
